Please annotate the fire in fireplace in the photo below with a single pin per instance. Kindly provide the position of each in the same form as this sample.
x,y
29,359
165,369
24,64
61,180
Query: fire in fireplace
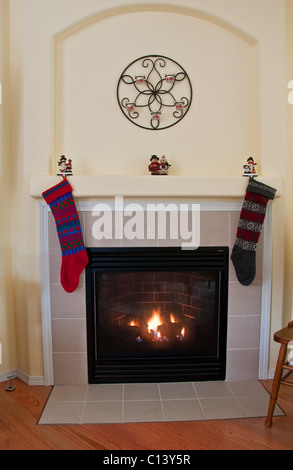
x,y
156,314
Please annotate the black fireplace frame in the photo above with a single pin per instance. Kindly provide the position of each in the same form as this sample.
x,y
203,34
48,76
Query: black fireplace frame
x,y
158,369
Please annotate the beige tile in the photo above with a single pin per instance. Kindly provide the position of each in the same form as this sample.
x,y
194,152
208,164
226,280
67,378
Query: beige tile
x,y
212,389
142,411
242,364
64,305
233,219
243,331
232,273
257,407
62,413
180,228
214,228
68,393
182,410
221,408
169,242
104,392
177,390
139,243
247,388
258,263
244,300
141,391
52,232
102,412
69,335
70,368
55,264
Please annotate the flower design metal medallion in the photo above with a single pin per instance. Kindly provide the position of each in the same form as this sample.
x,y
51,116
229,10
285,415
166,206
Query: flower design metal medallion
x,y
154,92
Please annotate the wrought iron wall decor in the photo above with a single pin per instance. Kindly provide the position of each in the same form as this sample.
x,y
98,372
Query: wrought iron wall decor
x,y
147,97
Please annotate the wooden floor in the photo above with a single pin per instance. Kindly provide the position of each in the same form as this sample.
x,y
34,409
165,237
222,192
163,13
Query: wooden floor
x,y
21,409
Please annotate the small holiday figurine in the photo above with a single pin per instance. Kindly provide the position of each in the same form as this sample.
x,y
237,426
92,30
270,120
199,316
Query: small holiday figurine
x,y
164,166
154,166
249,168
65,166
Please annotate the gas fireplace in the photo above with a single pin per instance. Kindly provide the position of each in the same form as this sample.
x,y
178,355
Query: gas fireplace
x,y
156,314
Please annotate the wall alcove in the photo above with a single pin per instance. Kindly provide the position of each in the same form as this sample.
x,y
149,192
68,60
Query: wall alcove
x,y
87,126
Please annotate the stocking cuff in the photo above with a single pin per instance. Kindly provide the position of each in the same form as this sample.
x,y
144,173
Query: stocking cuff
x,y
56,191
260,188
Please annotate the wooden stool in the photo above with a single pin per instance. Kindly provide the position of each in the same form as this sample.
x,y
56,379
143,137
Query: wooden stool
x,y
283,336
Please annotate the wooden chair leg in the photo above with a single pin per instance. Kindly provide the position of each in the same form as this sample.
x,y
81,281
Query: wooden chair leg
x,y
276,383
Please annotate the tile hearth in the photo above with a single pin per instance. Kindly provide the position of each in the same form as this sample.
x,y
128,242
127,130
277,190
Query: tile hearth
x,y
133,403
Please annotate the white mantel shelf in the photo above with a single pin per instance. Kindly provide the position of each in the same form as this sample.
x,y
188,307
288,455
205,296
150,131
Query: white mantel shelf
x,y
152,186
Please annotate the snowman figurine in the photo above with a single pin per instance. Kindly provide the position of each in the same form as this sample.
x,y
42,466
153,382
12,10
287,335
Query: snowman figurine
x,y
164,166
154,166
64,166
249,168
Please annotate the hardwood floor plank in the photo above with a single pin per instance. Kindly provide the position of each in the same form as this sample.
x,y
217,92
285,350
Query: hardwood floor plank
x,y
21,409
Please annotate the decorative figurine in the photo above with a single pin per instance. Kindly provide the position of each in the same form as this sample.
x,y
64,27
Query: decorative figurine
x,y
164,166
249,168
154,166
65,166
157,167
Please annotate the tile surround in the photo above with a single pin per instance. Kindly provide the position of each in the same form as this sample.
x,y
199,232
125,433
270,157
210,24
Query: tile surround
x,y
68,310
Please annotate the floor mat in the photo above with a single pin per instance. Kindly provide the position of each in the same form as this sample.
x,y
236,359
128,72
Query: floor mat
x,y
145,402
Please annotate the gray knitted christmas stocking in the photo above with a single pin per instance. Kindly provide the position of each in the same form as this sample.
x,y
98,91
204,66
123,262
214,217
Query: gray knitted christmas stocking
x,y
249,228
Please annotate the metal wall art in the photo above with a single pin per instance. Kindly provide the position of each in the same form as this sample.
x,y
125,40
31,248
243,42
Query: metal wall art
x,y
154,92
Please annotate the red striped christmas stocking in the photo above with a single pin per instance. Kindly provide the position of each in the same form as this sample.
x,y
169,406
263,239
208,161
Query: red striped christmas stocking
x,y
249,228
74,255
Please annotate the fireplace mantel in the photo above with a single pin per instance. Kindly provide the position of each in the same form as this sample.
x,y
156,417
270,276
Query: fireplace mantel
x,y
96,186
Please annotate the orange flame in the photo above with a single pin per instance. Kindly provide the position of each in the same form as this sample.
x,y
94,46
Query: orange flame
x,y
154,322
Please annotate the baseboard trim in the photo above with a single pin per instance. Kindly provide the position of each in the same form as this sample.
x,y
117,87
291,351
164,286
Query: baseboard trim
x,y
29,380
271,373
4,375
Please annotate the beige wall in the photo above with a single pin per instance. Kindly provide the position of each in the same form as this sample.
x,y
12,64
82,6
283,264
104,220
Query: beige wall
x,y
214,136
289,189
7,320
45,35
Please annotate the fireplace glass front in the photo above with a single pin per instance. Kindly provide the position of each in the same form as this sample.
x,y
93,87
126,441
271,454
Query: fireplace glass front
x,y
156,314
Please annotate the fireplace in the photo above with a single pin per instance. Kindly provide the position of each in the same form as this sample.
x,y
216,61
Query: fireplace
x,y
64,323
156,314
